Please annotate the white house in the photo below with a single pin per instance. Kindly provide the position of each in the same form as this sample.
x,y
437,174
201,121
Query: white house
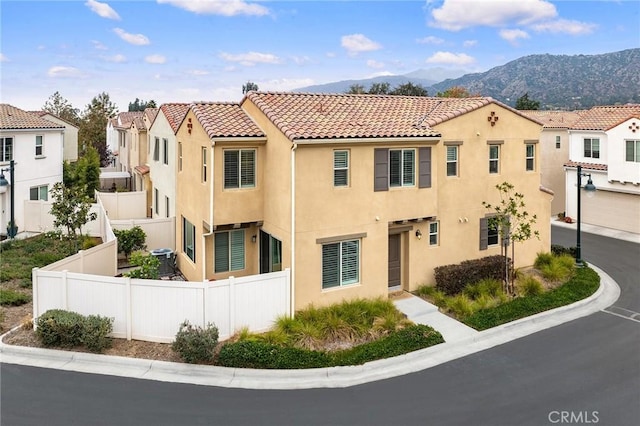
x,y
163,157
70,152
605,141
37,148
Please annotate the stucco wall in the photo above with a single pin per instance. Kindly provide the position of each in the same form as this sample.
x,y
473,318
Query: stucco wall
x,y
163,176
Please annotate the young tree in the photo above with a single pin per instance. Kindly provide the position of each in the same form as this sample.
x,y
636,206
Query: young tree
x,y
88,172
60,107
524,103
70,209
456,92
410,89
379,89
94,124
249,87
514,225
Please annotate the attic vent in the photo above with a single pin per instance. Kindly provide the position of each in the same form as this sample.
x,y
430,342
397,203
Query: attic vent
x,y
634,126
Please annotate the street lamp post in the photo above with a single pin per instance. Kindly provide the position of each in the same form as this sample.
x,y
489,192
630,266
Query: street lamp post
x,y
590,188
11,228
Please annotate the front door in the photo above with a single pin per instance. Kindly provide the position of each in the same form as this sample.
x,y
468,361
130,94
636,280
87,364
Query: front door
x,y
394,260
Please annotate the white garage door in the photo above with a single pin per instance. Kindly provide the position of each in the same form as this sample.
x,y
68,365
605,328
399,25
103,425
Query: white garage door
x,y
612,210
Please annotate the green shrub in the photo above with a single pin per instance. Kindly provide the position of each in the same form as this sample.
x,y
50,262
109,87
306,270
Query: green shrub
x,y
559,250
95,332
13,298
567,261
148,266
559,269
543,259
452,279
485,301
25,283
488,287
60,328
195,344
460,305
257,354
130,240
529,286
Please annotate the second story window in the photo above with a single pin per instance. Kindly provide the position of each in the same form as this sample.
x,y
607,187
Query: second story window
x,y
179,156
39,146
494,158
240,168
204,165
165,151
156,150
433,233
340,168
6,149
557,142
189,239
592,148
530,152
632,151
402,167
452,161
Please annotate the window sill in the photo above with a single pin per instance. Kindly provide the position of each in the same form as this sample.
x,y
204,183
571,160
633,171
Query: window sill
x,y
40,157
341,287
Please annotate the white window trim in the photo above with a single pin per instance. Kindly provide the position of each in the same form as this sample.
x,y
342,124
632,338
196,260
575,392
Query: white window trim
x,y
343,168
528,157
435,234
636,150
495,160
456,161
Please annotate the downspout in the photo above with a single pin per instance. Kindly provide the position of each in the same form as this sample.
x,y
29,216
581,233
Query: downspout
x,y
293,228
204,236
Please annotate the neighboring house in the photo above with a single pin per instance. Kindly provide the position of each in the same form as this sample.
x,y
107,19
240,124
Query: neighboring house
x,y
162,157
119,131
554,151
358,195
605,141
36,146
70,153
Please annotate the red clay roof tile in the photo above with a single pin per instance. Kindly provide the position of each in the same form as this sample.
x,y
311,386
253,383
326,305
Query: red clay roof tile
x,y
174,113
589,166
225,119
16,118
606,117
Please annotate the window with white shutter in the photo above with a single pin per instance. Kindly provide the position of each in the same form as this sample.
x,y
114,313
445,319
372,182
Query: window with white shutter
x,y
340,263
228,251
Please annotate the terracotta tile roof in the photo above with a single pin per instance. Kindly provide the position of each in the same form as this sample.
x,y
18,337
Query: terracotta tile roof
x,y
555,119
337,116
143,170
589,166
126,118
16,118
225,119
174,113
151,114
606,117
139,122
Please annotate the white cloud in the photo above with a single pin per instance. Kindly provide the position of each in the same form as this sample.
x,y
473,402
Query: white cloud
x,y
219,7
198,72
115,58
137,39
98,45
102,9
64,72
455,15
284,84
565,26
469,43
450,58
331,54
375,64
300,60
356,43
155,59
430,40
512,36
249,59
3,58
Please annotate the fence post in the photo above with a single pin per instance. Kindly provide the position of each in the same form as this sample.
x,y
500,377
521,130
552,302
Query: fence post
x,y
232,305
34,285
287,280
205,303
65,303
128,307
81,253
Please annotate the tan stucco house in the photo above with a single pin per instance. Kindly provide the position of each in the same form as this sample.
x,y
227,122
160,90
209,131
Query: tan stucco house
x,y
358,195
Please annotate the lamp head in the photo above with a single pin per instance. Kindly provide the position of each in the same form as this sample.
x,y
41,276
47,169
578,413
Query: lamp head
x,y
3,184
590,188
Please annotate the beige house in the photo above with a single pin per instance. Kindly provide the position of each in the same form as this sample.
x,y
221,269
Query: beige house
x,y
554,151
358,195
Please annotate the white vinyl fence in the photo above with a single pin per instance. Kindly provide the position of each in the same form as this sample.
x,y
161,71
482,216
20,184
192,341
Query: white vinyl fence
x,y
153,310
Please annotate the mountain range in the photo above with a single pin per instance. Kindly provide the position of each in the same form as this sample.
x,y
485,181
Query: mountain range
x,y
556,81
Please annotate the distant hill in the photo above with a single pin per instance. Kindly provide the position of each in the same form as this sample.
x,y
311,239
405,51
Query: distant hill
x,y
424,77
556,81
559,81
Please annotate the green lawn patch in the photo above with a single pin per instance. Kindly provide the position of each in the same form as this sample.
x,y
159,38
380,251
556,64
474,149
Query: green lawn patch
x,y
13,298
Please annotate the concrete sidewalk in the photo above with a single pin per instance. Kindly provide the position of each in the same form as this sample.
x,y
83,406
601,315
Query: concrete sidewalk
x,y
460,342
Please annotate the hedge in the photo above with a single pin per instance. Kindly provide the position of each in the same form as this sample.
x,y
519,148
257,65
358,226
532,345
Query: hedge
x,y
452,279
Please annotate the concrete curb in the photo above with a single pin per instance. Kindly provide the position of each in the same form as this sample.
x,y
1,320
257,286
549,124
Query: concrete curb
x,y
333,377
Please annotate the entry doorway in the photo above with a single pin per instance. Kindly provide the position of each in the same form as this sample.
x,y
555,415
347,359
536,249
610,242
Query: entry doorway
x,y
270,253
395,258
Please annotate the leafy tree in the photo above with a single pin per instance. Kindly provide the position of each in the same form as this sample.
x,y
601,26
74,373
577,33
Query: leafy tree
x,y
148,266
524,103
456,92
356,89
514,225
94,124
379,89
60,107
69,173
70,209
139,105
249,87
410,89
130,240
88,171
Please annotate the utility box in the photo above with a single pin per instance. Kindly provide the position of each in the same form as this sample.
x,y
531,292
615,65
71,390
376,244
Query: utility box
x,y
165,256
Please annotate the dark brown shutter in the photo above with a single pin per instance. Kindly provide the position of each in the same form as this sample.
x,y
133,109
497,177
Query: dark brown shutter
x,y
484,233
381,169
424,179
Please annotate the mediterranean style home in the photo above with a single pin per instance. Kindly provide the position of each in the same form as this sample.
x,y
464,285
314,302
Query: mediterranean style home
x,y
605,141
554,151
70,152
162,157
358,195
36,147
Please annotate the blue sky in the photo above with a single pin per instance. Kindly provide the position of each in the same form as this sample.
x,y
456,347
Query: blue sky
x,y
194,50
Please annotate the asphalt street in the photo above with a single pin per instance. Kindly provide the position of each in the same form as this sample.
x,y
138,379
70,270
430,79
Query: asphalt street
x,y
587,370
